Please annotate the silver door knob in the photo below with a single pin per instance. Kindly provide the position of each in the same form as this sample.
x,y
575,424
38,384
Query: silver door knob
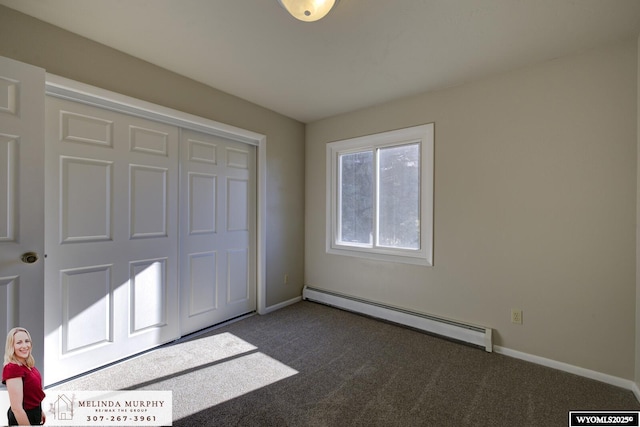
x,y
29,257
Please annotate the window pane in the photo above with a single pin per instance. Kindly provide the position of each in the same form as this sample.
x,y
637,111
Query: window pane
x,y
356,198
399,197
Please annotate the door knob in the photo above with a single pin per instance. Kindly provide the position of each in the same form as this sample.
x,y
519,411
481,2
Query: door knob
x,y
29,257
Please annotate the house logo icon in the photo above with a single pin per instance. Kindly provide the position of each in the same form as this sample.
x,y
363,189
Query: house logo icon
x,y
62,408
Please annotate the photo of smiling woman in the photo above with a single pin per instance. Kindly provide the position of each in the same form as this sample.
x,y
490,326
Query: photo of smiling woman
x,y
23,380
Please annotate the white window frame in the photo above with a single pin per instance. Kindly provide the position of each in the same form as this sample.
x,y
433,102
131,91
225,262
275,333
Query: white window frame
x,y
424,135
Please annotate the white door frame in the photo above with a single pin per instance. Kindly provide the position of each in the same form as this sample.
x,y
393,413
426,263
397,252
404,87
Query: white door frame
x,y
61,87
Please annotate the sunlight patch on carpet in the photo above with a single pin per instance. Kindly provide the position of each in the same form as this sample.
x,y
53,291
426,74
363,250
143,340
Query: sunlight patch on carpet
x,y
228,380
201,372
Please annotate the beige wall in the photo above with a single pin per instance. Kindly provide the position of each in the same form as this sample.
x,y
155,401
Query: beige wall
x,y
535,208
60,52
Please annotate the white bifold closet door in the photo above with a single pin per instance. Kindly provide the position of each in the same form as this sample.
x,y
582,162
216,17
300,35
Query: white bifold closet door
x,y
218,230
150,234
111,237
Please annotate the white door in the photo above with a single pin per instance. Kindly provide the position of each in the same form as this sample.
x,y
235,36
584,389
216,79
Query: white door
x,y
21,200
111,237
218,230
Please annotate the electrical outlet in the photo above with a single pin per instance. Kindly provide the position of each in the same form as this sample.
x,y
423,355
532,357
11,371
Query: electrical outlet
x,y
286,279
516,316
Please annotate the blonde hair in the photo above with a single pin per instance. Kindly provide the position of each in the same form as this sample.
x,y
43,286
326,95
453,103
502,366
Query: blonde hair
x,y
9,351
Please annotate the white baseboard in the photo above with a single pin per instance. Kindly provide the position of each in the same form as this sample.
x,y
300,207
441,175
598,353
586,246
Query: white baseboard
x,y
283,304
636,391
583,372
550,363
474,334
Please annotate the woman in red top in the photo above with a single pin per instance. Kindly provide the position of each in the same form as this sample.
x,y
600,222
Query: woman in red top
x,y
23,380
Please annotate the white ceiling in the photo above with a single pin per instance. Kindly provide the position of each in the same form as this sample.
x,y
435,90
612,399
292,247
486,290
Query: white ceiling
x,y
363,53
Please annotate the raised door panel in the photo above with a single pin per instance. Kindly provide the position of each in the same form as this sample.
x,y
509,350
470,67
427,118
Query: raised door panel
x,y
148,295
201,210
86,199
9,187
201,289
148,206
9,291
82,288
238,268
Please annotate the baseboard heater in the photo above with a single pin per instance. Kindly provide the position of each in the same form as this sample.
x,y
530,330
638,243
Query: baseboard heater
x,y
469,333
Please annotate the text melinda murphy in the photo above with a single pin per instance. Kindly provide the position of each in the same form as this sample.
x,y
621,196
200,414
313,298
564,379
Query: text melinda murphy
x,y
105,408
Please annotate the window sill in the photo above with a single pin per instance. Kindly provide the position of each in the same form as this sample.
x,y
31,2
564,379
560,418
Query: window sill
x,y
385,257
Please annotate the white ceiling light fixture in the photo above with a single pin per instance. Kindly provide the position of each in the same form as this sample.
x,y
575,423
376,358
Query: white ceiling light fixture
x,y
308,10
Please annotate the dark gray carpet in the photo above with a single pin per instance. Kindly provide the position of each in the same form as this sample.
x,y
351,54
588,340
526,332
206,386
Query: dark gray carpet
x,y
312,365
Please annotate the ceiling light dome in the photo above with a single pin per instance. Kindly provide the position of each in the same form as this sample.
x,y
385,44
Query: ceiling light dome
x,y
308,10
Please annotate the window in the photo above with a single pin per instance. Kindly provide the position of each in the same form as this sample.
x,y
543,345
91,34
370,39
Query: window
x,y
380,196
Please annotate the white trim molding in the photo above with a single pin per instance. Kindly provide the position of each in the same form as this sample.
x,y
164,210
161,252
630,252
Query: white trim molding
x,y
636,391
64,88
477,335
572,369
283,304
